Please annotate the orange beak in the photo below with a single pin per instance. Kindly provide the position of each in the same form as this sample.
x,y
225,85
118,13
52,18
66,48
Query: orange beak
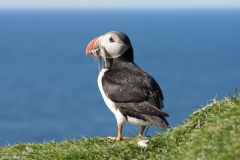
x,y
94,44
93,50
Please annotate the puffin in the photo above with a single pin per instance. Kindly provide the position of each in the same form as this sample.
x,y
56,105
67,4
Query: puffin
x,y
129,92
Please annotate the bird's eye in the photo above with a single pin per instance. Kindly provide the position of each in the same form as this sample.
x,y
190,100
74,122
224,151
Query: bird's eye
x,y
111,40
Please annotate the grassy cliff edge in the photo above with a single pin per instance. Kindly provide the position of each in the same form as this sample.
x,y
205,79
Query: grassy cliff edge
x,y
211,132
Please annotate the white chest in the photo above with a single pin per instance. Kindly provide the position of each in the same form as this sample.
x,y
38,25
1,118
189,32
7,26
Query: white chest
x,y
108,102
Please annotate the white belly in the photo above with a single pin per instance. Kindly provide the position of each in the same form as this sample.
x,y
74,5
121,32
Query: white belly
x,y
111,105
137,121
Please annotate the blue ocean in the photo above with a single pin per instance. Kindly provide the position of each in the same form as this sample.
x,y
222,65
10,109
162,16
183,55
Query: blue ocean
x,y
48,86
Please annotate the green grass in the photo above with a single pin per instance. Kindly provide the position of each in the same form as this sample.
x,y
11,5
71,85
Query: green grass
x,y
212,132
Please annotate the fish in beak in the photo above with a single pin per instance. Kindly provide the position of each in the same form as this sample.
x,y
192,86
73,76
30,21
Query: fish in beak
x,y
94,49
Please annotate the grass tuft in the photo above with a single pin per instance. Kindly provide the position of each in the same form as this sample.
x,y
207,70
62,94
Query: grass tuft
x,y
211,132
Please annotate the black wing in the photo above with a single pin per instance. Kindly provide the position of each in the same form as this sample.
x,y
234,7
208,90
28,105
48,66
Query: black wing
x,y
132,88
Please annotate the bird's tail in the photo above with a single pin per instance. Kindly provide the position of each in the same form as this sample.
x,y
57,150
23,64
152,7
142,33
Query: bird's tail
x,y
157,121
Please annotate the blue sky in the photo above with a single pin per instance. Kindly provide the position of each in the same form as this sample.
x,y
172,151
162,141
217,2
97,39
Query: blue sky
x,y
112,4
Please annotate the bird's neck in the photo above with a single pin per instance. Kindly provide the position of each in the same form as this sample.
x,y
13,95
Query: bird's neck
x,y
112,63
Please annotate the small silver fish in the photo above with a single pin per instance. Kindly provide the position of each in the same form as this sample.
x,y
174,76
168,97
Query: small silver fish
x,y
97,57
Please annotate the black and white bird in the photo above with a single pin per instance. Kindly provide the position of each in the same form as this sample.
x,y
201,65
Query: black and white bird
x,y
129,92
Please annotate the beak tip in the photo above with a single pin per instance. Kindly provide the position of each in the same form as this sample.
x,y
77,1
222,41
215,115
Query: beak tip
x,y
87,52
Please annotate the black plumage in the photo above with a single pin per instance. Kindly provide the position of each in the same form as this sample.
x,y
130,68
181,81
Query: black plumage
x,y
134,91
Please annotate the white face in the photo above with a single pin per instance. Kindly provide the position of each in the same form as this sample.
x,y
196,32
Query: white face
x,y
113,45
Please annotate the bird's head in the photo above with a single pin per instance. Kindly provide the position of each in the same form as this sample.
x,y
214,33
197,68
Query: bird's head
x,y
110,45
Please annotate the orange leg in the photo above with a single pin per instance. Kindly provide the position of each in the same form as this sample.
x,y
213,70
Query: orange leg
x,y
141,131
119,137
